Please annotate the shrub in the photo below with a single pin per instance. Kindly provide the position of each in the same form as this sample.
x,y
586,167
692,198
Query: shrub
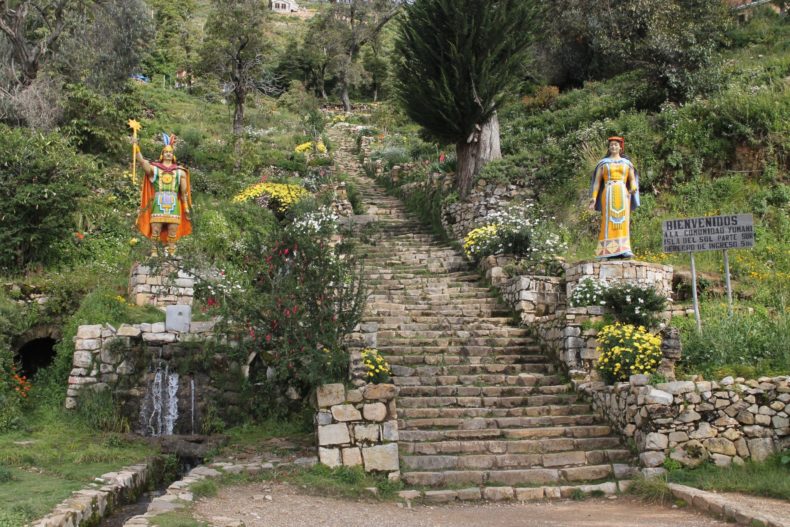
x,y
42,183
627,350
378,368
281,196
633,304
482,241
589,292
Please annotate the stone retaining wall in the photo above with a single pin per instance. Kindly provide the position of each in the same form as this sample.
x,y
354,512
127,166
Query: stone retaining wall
x,y
692,422
459,218
160,287
109,491
621,271
358,427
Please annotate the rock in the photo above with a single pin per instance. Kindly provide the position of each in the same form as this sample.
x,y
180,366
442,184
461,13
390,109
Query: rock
x,y
346,412
374,412
498,493
689,416
336,434
89,332
323,418
639,380
654,396
330,457
354,396
380,392
656,441
703,431
366,433
761,448
352,456
389,431
330,394
381,458
721,460
652,459
128,331
727,381
719,445
677,387
691,454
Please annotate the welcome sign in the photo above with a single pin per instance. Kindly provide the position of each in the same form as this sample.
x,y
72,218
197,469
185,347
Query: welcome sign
x,y
709,233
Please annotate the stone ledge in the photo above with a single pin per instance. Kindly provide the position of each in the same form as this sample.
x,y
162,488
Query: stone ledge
x,y
717,505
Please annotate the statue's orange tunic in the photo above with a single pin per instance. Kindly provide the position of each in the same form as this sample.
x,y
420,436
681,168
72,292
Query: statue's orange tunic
x,y
148,194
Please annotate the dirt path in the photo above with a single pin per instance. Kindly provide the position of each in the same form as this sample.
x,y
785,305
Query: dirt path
x,y
280,505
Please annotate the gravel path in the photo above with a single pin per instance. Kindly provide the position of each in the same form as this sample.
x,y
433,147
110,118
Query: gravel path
x,y
282,505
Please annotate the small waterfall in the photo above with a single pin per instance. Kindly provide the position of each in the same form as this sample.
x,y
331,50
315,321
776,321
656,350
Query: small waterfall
x,y
192,403
159,411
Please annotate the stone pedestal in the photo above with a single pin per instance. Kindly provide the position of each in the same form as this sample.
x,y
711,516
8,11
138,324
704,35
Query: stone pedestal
x,y
621,271
162,287
358,427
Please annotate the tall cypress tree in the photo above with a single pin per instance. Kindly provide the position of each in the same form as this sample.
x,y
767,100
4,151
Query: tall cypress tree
x,y
457,60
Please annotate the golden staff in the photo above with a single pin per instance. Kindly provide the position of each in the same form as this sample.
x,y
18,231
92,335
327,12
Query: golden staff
x,y
135,126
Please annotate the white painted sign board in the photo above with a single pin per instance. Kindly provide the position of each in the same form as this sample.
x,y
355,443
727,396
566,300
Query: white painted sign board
x,y
709,233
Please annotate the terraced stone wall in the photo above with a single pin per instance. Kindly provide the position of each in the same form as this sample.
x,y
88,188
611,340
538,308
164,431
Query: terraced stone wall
x,y
726,422
358,427
160,287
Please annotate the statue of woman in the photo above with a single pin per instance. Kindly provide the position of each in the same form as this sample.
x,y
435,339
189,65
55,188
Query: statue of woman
x,y
615,193
165,197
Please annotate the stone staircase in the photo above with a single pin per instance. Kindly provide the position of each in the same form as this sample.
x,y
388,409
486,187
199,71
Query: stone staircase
x,y
480,404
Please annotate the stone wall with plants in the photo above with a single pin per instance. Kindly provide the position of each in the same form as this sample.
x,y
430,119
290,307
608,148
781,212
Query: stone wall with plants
x,y
358,427
686,423
461,217
160,287
164,379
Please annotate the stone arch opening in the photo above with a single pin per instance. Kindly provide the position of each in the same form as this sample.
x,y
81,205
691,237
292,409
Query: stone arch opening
x,y
34,355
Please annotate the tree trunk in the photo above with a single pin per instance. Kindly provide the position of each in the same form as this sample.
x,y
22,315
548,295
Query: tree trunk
x,y
481,147
238,113
344,97
376,93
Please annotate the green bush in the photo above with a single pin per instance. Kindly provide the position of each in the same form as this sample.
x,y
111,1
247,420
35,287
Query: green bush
x,y
752,342
42,186
633,304
100,411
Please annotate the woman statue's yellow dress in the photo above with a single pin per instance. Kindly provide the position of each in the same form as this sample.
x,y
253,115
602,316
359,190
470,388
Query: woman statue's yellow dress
x,y
615,190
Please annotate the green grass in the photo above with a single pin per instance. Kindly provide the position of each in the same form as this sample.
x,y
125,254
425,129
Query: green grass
x,y
653,490
205,488
770,478
52,456
181,518
346,482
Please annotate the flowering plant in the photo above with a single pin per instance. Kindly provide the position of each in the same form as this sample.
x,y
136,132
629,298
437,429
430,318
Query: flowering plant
x,y
14,389
378,368
281,195
627,350
520,230
318,222
634,304
311,146
481,242
589,292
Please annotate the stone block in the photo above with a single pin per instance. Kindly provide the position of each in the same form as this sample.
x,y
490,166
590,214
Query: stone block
x,y
128,331
529,494
330,457
352,457
380,392
89,332
381,458
761,448
323,418
389,431
374,412
654,396
354,396
366,434
720,445
656,441
330,395
345,412
88,344
178,318
677,387
498,493
470,494
336,434
125,368
82,359
652,459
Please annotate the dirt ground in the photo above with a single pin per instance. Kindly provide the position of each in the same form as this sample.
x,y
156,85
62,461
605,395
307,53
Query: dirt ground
x,y
282,505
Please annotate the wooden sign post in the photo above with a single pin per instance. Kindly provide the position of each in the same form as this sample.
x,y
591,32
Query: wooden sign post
x,y
709,233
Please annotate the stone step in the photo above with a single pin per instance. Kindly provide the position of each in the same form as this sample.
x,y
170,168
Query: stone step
x,y
451,385
502,423
394,309
445,359
525,446
437,338
477,415
498,493
467,352
513,477
468,328
572,458
540,396
471,369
